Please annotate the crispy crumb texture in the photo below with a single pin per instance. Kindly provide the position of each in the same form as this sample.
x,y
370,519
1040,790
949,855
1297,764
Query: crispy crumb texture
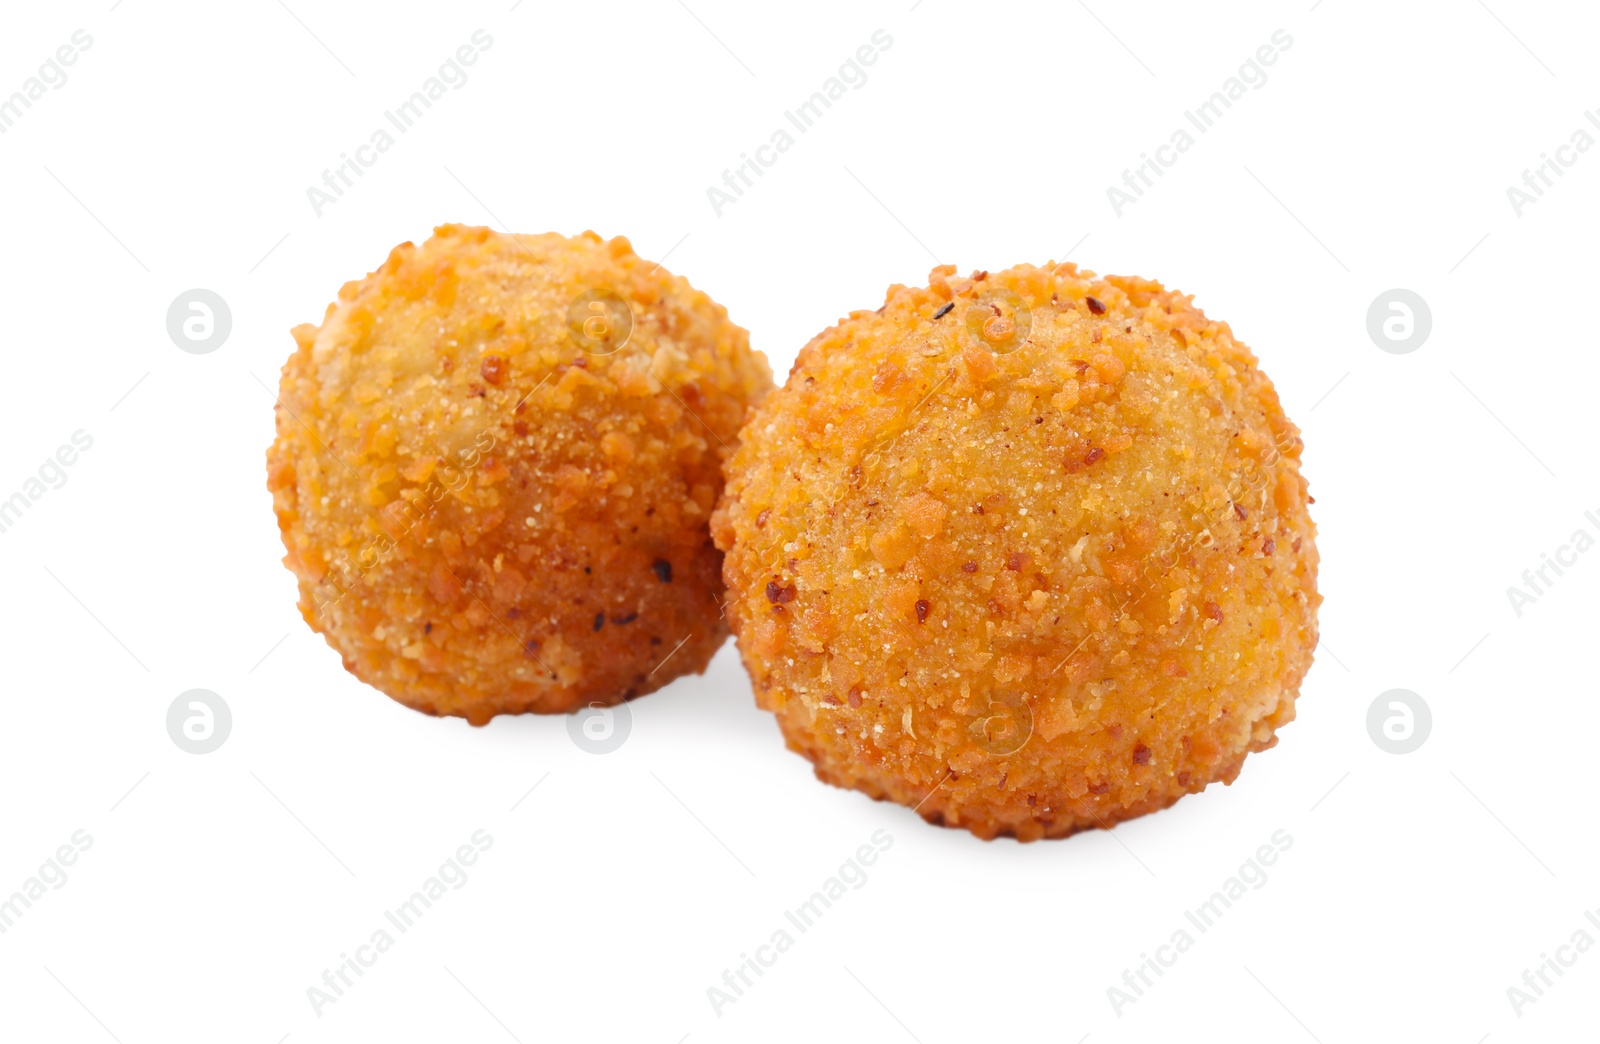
x,y
494,464
1028,551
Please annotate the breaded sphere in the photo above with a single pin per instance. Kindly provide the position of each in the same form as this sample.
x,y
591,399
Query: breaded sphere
x,y
494,468
1027,551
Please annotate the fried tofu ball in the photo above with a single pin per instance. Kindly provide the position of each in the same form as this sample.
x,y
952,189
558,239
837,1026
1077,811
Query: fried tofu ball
x,y
1027,551
494,468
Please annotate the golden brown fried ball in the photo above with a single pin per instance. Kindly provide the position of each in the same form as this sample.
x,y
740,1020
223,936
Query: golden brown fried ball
x,y
495,463
1027,551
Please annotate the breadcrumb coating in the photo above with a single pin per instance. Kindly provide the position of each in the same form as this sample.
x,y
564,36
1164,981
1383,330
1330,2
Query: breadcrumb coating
x,y
494,465
1027,551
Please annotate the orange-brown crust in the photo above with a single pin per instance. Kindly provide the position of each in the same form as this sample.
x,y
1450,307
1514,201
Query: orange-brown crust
x,y
489,513
1028,551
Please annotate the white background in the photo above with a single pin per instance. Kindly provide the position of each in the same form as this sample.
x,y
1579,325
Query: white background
x,y
219,887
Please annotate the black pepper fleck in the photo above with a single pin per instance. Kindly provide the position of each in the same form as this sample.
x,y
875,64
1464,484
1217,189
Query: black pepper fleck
x,y
663,570
941,313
